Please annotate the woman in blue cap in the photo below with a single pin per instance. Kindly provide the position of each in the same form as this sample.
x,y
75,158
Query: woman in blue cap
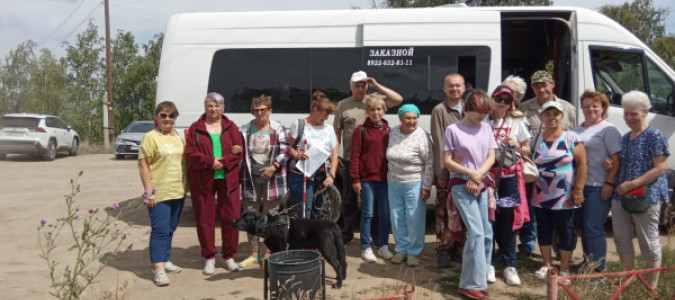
x,y
409,176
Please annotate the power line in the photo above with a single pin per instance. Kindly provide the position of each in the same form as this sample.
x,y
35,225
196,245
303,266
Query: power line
x,y
80,24
50,34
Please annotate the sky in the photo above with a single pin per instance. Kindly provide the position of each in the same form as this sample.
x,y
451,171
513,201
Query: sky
x,y
50,23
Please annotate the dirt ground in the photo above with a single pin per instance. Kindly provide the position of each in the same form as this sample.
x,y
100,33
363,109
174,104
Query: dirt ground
x,y
31,190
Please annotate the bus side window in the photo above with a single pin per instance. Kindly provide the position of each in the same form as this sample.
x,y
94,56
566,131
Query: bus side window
x,y
660,90
617,72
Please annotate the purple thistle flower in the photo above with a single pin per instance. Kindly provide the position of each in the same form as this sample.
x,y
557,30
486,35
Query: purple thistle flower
x,y
114,206
43,222
91,210
154,190
78,208
81,172
113,253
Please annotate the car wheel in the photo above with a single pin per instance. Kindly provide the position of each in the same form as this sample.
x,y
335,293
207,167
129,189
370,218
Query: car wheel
x,y
74,147
119,156
3,156
50,152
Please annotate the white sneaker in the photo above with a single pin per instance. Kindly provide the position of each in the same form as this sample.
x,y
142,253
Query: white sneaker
x,y
511,275
209,267
230,265
171,268
161,279
491,277
384,252
368,256
565,273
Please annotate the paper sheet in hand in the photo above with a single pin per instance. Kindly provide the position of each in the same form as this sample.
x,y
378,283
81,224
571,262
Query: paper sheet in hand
x,y
317,156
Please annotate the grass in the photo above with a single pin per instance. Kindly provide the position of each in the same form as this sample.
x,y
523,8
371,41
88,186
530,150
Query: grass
x,y
587,289
87,147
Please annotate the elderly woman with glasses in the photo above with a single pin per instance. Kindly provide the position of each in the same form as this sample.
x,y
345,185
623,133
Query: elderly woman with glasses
x,y
214,150
409,178
162,167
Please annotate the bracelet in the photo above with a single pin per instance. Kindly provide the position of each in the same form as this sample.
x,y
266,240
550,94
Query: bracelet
x,y
276,167
609,183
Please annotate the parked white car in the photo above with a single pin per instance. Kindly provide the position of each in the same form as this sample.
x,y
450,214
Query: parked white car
x,y
36,134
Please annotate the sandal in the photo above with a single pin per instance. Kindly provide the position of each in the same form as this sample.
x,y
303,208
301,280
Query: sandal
x,y
542,273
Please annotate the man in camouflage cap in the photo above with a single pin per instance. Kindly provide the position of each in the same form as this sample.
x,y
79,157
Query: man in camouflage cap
x,y
542,84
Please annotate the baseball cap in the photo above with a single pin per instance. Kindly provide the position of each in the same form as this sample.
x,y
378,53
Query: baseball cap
x,y
501,89
359,76
551,104
541,76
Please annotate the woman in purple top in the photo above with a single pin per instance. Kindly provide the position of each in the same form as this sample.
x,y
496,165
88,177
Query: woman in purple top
x,y
472,142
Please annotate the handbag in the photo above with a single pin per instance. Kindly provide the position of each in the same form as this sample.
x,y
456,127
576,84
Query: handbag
x,y
636,201
506,156
530,171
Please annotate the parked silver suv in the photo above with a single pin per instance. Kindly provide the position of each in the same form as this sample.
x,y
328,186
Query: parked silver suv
x,y
36,134
129,140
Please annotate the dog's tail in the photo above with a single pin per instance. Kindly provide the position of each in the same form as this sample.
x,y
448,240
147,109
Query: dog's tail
x,y
337,237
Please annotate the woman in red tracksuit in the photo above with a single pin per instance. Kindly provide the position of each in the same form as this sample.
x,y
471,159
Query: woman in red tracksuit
x,y
214,151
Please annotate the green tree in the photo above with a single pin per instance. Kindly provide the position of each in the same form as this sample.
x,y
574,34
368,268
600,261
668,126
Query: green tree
x,y
86,72
15,77
427,3
31,84
640,17
647,23
133,79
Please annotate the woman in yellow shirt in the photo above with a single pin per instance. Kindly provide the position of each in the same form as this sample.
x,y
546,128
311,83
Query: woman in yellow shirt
x,y
162,165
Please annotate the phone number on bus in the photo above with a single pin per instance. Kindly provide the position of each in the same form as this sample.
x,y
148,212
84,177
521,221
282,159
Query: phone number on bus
x,y
389,62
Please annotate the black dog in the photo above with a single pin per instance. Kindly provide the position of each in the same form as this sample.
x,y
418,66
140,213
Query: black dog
x,y
280,231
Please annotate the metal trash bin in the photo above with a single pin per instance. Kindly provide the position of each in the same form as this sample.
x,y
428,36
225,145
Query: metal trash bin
x,y
295,274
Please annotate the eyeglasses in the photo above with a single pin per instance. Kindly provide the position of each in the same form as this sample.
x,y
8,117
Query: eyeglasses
x,y
164,116
507,100
260,110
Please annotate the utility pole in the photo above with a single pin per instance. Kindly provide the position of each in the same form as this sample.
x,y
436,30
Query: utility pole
x,y
108,67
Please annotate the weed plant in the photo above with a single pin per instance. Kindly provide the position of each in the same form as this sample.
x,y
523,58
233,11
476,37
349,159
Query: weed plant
x,y
93,235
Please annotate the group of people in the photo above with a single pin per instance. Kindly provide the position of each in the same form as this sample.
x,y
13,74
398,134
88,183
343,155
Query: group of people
x,y
501,166
491,152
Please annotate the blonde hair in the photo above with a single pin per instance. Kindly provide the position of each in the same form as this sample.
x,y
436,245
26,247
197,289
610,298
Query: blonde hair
x,y
374,100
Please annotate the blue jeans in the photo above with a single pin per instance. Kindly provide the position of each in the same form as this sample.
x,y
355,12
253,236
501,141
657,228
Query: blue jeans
x,y
528,232
478,247
408,213
374,192
164,218
593,216
313,205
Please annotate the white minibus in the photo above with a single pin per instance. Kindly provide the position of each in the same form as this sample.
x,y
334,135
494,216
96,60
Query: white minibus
x,y
289,54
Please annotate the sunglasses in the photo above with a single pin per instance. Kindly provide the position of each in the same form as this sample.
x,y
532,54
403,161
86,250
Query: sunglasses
x,y
164,116
260,110
507,100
